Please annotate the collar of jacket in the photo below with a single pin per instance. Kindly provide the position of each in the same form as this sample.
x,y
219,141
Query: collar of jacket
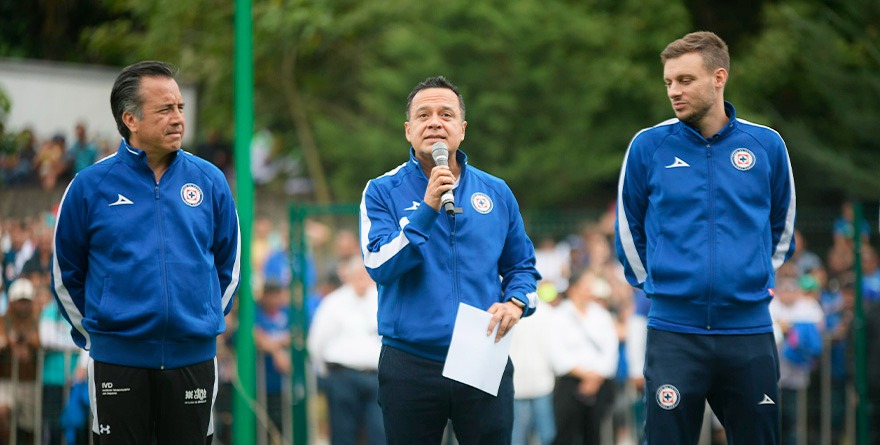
x,y
136,157
693,133
460,156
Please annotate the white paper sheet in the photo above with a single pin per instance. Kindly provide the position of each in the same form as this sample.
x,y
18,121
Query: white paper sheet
x,y
474,358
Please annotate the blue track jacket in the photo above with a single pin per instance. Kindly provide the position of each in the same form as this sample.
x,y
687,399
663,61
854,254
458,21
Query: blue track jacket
x,y
426,262
702,224
145,272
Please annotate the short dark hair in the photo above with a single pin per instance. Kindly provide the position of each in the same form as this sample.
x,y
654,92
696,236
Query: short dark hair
x,y
708,44
125,96
435,82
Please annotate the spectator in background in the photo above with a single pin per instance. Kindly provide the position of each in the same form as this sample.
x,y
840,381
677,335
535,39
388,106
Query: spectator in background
x,y
872,361
16,254
226,374
317,235
82,153
345,247
805,259
585,357
619,303
533,381
843,231
870,274
19,343
344,347
607,220
39,265
799,321
16,165
272,338
49,163
276,266
636,337
75,415
59,364
261,246
600,253
262,148
840,258
836,297
553,263
5,244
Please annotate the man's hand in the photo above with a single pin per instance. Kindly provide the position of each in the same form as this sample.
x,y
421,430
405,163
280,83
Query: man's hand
x,y
505,315
440,182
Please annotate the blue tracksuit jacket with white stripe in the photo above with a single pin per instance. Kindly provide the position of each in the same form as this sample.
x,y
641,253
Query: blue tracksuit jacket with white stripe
x,y
425,262
145,272
703,224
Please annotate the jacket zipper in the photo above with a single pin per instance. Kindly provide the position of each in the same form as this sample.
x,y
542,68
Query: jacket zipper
x,y
164,270
456,299
711,202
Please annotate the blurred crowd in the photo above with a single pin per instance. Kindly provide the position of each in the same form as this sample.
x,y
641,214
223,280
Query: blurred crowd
x,y
813,311
42,372
26,158
51,161
43,388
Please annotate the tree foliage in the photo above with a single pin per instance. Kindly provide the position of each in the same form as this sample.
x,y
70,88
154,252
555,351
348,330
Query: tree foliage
x,y
46,29
554,89
813,73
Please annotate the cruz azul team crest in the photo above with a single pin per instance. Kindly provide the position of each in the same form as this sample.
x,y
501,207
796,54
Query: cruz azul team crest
x,y
481,203
668,397
191,195
743,159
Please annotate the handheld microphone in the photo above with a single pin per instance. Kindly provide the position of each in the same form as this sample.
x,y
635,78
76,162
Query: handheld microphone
x,y
440,153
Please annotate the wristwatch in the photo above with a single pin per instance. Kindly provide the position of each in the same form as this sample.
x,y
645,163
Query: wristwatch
x,y
519,303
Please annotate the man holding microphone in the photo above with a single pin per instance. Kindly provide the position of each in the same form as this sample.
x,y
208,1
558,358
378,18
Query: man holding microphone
x,y
426,258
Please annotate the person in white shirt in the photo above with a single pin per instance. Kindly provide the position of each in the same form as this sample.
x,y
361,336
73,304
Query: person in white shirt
x,y
533,379
585,356
553,262
344,346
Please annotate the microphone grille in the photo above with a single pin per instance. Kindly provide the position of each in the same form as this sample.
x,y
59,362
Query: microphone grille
x,y
440,148
440,153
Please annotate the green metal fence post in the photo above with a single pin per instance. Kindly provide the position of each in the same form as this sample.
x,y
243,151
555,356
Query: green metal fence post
x,y
300,263
243,429
298,292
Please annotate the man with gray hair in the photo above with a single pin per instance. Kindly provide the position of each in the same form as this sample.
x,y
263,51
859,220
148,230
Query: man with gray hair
x,y
146,263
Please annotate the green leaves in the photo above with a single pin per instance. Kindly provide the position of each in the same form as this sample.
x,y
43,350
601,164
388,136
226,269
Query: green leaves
x,y
554,89
813,73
